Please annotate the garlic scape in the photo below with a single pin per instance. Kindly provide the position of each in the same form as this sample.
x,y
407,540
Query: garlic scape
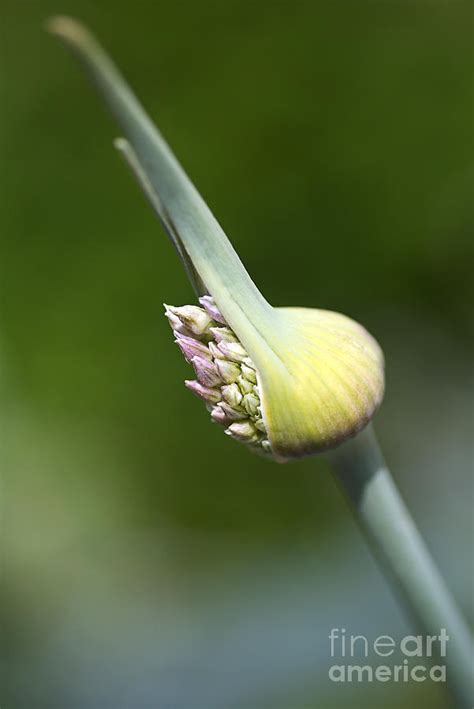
x,y
318,374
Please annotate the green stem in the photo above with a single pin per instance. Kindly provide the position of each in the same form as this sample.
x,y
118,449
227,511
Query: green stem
x,y
385,520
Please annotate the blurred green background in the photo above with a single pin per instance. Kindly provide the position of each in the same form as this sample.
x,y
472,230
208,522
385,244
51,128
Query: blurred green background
x,y
149,560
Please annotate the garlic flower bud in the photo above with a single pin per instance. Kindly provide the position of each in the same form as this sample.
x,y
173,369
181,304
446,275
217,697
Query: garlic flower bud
x,y
289,381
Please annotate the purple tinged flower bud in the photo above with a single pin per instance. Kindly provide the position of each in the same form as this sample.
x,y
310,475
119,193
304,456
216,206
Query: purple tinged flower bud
x,y
215,351
218,416
191,347
233,351
244,431
175,322
245,386
206,371
223,334
211,308
232,395
249,373
208,394
251,404
231,413
229,371
193,318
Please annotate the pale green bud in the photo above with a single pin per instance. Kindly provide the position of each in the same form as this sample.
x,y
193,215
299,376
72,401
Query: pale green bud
x,y
223,334
232,394
249,373
245,386
176,323
229,371
232,350
194,319
234,414
250,402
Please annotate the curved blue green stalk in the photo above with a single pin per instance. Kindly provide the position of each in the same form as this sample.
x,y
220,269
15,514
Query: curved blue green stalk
x,y
198,237
384,518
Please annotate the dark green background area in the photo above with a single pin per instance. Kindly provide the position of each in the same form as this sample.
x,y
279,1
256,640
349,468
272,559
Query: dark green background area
x,y
333,141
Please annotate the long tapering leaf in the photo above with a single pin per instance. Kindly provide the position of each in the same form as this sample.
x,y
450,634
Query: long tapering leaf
x,y
182,210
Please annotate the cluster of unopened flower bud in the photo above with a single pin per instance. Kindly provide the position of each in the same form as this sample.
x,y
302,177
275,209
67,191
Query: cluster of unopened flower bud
x,y
226,376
